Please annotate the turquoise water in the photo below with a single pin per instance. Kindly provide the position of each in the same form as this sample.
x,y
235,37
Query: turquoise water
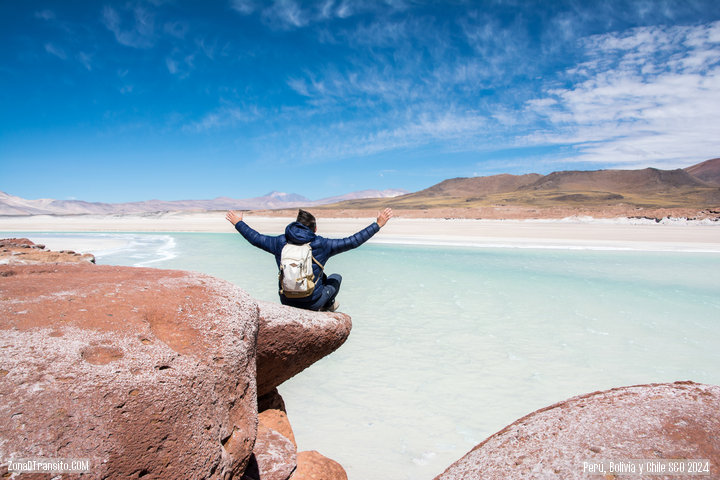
x,y
449,345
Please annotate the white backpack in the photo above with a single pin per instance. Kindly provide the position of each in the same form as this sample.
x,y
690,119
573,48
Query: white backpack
x,y
296,273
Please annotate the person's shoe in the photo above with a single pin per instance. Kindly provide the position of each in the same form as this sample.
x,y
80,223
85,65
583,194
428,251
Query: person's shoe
x,y
334,306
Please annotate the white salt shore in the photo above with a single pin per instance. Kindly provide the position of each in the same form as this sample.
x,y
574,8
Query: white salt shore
x,y
569,233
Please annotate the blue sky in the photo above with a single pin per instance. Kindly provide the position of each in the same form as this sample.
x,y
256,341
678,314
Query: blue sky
x,y
122,101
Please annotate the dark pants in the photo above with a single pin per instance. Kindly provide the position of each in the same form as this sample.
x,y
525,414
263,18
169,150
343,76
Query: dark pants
x,y
330,289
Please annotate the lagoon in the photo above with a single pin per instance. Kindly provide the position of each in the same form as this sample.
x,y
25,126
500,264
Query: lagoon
x,y
450,344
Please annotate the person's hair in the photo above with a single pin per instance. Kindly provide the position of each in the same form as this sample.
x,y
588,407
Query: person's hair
x,y
307,219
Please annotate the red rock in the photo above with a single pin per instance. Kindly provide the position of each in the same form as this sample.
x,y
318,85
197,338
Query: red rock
x,y
275,455
658,421
313,466
290,340
146,372
278,421
271,401
275,452
21,251
19,242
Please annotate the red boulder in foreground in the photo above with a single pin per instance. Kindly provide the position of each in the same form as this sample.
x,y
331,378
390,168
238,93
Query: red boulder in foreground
x,y
311,465
679,420
145,372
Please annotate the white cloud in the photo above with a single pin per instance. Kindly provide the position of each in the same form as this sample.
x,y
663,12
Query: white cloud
x,y
428,128
85,59
223,117
45,14
245,7
419,126
172,65
141,33
55,50
179,64
290,14
286,13
176,29
405,94
645,97
209,49
382,32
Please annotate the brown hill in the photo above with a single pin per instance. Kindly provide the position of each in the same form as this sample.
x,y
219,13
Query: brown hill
x,y
479,186
648,180
649,187
449,193
707,171
645,188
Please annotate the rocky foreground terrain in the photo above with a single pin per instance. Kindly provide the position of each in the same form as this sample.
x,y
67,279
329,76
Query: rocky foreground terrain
x,y
151,373
165,374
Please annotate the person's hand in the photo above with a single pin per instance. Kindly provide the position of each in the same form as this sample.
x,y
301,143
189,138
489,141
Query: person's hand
x,y
384,216
233,216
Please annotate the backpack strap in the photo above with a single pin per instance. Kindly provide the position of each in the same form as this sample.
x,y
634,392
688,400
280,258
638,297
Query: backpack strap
x,y
318,263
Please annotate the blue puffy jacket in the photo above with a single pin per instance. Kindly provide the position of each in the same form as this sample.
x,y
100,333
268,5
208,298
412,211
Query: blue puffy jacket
x,y
322,249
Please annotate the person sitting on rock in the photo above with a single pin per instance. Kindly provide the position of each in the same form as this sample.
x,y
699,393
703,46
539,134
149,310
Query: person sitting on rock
x,y
301,232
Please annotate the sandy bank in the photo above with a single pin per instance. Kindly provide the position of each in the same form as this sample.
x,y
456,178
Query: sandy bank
x,y
569,233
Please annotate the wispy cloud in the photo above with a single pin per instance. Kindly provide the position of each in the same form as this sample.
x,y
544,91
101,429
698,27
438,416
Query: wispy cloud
x,y
286,13
425,129
53,49
642,97
245,7
45,14
223,117
85,59
141,30
290,14
420,126
645,96
405,92
179,63
176,29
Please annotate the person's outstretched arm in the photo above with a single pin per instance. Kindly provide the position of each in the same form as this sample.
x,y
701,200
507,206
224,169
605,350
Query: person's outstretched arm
x,y
264,242
341,245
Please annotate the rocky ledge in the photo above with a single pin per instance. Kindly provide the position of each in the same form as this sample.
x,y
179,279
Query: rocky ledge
x,y
152,373
21,251
655,422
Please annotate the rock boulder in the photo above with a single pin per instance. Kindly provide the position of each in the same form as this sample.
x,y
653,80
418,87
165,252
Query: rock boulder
x,y
659,421
290,340
311,465
21,251
145,372
278,421
275,456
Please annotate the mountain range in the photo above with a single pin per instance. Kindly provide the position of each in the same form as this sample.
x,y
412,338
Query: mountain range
x,y
12,205
695,187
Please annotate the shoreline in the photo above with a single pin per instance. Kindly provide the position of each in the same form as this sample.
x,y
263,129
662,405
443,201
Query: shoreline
x,y
574,233
214,221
